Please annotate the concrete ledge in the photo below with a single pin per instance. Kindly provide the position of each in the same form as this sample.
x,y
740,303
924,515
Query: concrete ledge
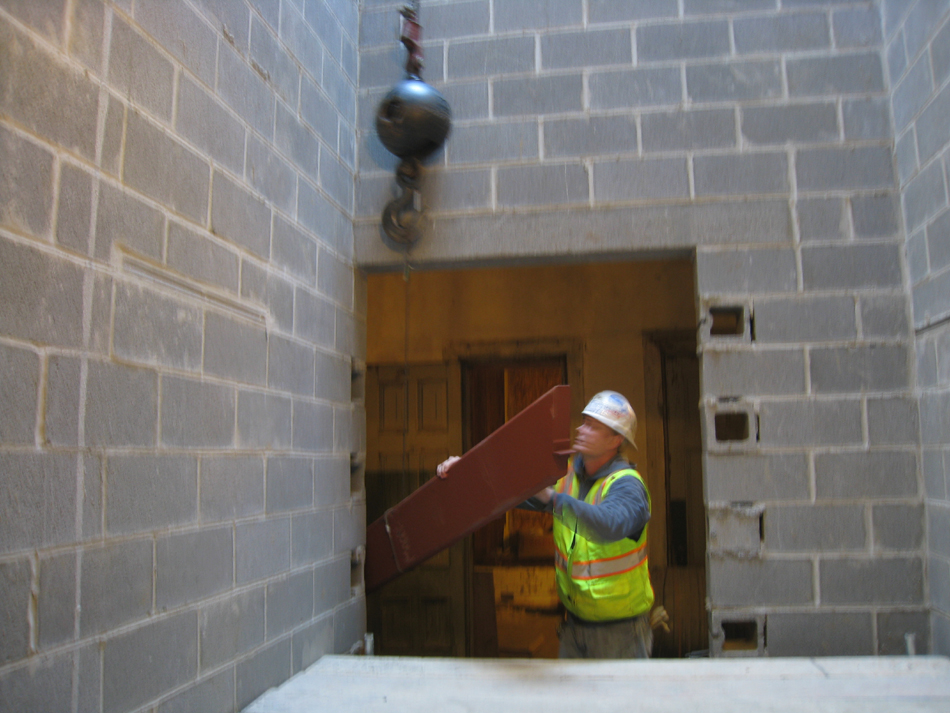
x,y
831,685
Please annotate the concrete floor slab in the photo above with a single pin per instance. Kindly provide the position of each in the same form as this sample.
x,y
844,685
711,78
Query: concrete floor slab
x,y
792,685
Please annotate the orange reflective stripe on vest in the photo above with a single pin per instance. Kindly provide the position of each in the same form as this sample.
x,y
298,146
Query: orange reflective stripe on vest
x,y
607,567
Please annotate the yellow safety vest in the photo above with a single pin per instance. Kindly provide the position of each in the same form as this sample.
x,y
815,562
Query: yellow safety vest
x,y
600,581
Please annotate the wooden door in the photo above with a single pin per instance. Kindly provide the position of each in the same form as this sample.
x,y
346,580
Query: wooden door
x,y
413,422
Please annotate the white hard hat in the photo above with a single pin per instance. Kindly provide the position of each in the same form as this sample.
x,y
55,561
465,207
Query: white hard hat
x,y
613,410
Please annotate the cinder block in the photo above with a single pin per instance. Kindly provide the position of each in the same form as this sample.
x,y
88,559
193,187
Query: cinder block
x,y
349,528
265,669
718,7
867,119
112,137
859,369
342,89
46,95
46,685
682,40
270,290
349,432
335,278
635,88
442,21
73,210
104,606
893,421
490,57
753,477
875,216
811,122
244,90
193,254
121,406
748,373
804,319
538,95
182,33
934,471
215,693
939,576
548,184
197,414
40,296
934,417
685,130
289,484
294,250
893,628
232,487
270,175
230,628
851,267
290,366
492,143
895,580
312,642
139,71
782,33
332,377
318,112
164,170
924,196
917,262
324,22
38,508
350,335
92,496
272,62
866,474
456,190
919,24
735,530
192,566
208,125
261,549
857,27
56,601
61,420
735,81
235,349
167,649
841,74
152,329
906,152
829,169
744,271
331,584
313,427
810,423
85,37
301,40
126,220
821,634
940,55
898,527
815,528
26,178
324,219
469,100
337,180
289,603
821,219
14,605
515,15
150,493
637,179
587,48
349,623
18,394
741,175
263,420
331,480
930,302
593,136
759,583
311,537
240,216
295,139
314,318
938,242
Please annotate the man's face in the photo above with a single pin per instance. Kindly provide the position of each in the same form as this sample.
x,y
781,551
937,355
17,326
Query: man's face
x,y
593,439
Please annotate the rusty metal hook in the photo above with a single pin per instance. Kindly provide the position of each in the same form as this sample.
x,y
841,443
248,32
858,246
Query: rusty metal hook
x,y
402,215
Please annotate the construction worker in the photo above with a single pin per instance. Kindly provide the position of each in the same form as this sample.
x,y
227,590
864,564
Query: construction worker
x,y
601,509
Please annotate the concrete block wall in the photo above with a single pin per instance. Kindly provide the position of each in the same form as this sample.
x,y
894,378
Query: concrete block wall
x,y
918,60
758,137
180,325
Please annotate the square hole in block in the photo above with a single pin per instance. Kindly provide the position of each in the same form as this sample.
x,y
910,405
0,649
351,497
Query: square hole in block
x,y
727,321
357,473
740,635
732,426
357,383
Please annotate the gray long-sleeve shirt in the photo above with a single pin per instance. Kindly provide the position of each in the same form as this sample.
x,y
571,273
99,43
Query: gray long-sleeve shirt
x,y
623,512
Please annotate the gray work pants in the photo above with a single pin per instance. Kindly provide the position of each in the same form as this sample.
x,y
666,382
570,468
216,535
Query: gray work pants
x,y
626,639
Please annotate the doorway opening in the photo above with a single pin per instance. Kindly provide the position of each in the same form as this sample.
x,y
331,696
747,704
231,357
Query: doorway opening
x,y
451,355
